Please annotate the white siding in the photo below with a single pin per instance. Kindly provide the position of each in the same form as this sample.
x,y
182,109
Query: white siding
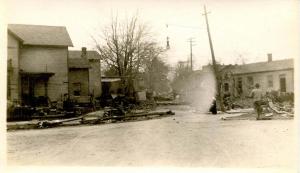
x,y
47,59
13,47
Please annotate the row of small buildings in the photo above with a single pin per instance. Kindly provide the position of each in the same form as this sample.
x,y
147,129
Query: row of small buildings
x,y
40,64
271,75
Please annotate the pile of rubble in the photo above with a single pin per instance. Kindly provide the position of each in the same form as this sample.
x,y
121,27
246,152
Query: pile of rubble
x,y
120,110
284,109
99,117
275,106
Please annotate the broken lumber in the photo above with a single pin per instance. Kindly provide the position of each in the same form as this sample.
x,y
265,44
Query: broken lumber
x,y
45,124
128,116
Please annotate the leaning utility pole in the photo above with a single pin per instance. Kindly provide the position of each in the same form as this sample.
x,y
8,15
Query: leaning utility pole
x,y
191,52
215,67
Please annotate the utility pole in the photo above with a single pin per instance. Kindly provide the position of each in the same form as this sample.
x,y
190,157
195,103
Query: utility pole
x,y
215,67
191,51
168,43
209,38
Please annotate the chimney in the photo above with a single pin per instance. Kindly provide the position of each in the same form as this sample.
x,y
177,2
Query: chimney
x,y
83,52
269,57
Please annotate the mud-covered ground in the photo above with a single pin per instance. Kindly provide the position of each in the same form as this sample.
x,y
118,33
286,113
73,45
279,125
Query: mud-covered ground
x,y
187,139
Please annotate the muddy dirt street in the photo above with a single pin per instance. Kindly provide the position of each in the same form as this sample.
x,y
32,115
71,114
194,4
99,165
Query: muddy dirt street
x,y
185,139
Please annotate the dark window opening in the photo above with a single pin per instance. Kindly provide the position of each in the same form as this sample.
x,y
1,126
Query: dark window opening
x,y
282,83
270,81
226,87
240,85
77,89
250,81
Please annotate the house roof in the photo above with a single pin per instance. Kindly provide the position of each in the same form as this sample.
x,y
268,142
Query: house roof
x,y
78,63
14,35
41,35
91,54
263,66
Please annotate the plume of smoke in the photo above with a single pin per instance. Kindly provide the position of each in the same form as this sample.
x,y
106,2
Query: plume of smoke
x,y
200,90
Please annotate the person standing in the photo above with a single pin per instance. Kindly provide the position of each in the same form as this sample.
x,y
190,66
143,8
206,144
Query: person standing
x,y
257,95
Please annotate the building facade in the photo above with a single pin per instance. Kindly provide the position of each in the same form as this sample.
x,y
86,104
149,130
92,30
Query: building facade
x,y
37,62
85,72
270,75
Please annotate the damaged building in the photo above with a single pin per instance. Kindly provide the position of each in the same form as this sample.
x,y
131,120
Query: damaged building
x,y
271,75
37,63
41,71
84,73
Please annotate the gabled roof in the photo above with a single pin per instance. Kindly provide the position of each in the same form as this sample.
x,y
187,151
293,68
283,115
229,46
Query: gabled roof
x,y
41,35
14,35
91,54
78,63
263,66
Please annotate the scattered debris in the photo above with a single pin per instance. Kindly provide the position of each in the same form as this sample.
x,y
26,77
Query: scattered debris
x,y
102,119
172,102
53,123
236,111
252,116
276,106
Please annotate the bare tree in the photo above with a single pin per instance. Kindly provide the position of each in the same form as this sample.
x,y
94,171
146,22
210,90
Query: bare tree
x,y
156,75
182,72
126,48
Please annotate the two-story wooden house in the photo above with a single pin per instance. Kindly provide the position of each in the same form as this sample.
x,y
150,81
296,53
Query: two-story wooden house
x,y
37,62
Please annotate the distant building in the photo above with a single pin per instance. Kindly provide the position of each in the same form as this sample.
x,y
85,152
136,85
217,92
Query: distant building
x,y
239,80
84,73
271,75
37,62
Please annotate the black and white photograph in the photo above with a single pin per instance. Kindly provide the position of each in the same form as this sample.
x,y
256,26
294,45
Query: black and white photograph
x,y
169,85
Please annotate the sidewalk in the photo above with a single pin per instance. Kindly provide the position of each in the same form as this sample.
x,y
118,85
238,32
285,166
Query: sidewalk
x,y
33,124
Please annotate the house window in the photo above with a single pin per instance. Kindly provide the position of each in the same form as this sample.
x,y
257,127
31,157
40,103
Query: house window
x,y
226,76
270,81
226,87
77,89
282,81
240,85
250,81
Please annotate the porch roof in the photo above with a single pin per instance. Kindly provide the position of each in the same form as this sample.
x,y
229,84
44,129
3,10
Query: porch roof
x,y
37,74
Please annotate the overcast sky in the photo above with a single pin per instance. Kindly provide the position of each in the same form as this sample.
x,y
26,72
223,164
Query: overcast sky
x,y
247,29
